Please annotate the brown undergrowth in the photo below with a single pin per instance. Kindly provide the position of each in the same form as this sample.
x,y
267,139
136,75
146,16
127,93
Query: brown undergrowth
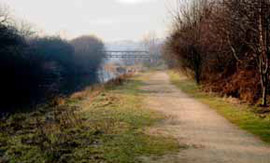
x,y
243,84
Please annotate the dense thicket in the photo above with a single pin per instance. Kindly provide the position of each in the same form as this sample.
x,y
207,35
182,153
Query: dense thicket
x,y
88,53
225,45
37,68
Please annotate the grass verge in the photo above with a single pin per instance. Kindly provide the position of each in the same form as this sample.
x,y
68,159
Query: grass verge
x,y
102,124
243,115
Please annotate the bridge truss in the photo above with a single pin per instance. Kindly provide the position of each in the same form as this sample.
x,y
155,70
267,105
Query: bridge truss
x,y
143,55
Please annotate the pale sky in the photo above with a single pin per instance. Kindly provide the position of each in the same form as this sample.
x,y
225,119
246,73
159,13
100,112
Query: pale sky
x,y
110,20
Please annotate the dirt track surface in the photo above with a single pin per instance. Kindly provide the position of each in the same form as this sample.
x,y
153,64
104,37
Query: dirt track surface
x,y
207,136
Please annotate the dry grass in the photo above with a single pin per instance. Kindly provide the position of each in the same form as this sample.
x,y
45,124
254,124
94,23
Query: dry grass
x,y
247,117
103,123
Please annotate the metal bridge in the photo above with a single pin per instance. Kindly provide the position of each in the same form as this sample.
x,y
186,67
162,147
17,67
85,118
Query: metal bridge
x,y
127,54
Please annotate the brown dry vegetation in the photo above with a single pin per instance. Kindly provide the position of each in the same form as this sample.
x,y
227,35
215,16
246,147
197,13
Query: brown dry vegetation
x,y
105,123
225,45
54,132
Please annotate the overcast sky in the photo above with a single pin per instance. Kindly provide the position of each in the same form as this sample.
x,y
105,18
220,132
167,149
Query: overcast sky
x,y
110,20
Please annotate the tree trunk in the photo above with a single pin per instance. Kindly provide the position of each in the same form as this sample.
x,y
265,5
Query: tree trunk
x,y
263,56
267,53
264,85
197,61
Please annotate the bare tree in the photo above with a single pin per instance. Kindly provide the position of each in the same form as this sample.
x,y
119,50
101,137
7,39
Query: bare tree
x,y
187,31
248,22
89,52
220,40
152,44
4,15
25,29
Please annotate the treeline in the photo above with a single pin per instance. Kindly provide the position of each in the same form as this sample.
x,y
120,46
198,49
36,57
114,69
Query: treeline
x,y
34,69
224,45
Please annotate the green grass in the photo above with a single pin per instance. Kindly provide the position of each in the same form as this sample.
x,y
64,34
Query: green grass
x,y
126,140
243,115
109,126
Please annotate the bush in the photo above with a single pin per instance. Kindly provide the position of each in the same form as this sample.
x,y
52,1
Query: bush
x,y
223,44
35,70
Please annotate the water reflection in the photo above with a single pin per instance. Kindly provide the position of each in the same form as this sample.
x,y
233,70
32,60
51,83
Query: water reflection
x,y
105,75
79,82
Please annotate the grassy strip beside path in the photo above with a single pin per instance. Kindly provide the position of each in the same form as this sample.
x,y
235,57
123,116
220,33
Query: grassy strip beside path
x,y
105,124
244,116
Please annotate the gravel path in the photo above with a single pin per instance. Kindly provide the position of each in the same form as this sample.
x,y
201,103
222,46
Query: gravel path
x,y
207,136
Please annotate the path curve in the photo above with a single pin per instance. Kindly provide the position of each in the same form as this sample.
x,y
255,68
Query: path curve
x,y
209,137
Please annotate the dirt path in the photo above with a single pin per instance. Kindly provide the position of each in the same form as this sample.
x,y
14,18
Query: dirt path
x,y
209,137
